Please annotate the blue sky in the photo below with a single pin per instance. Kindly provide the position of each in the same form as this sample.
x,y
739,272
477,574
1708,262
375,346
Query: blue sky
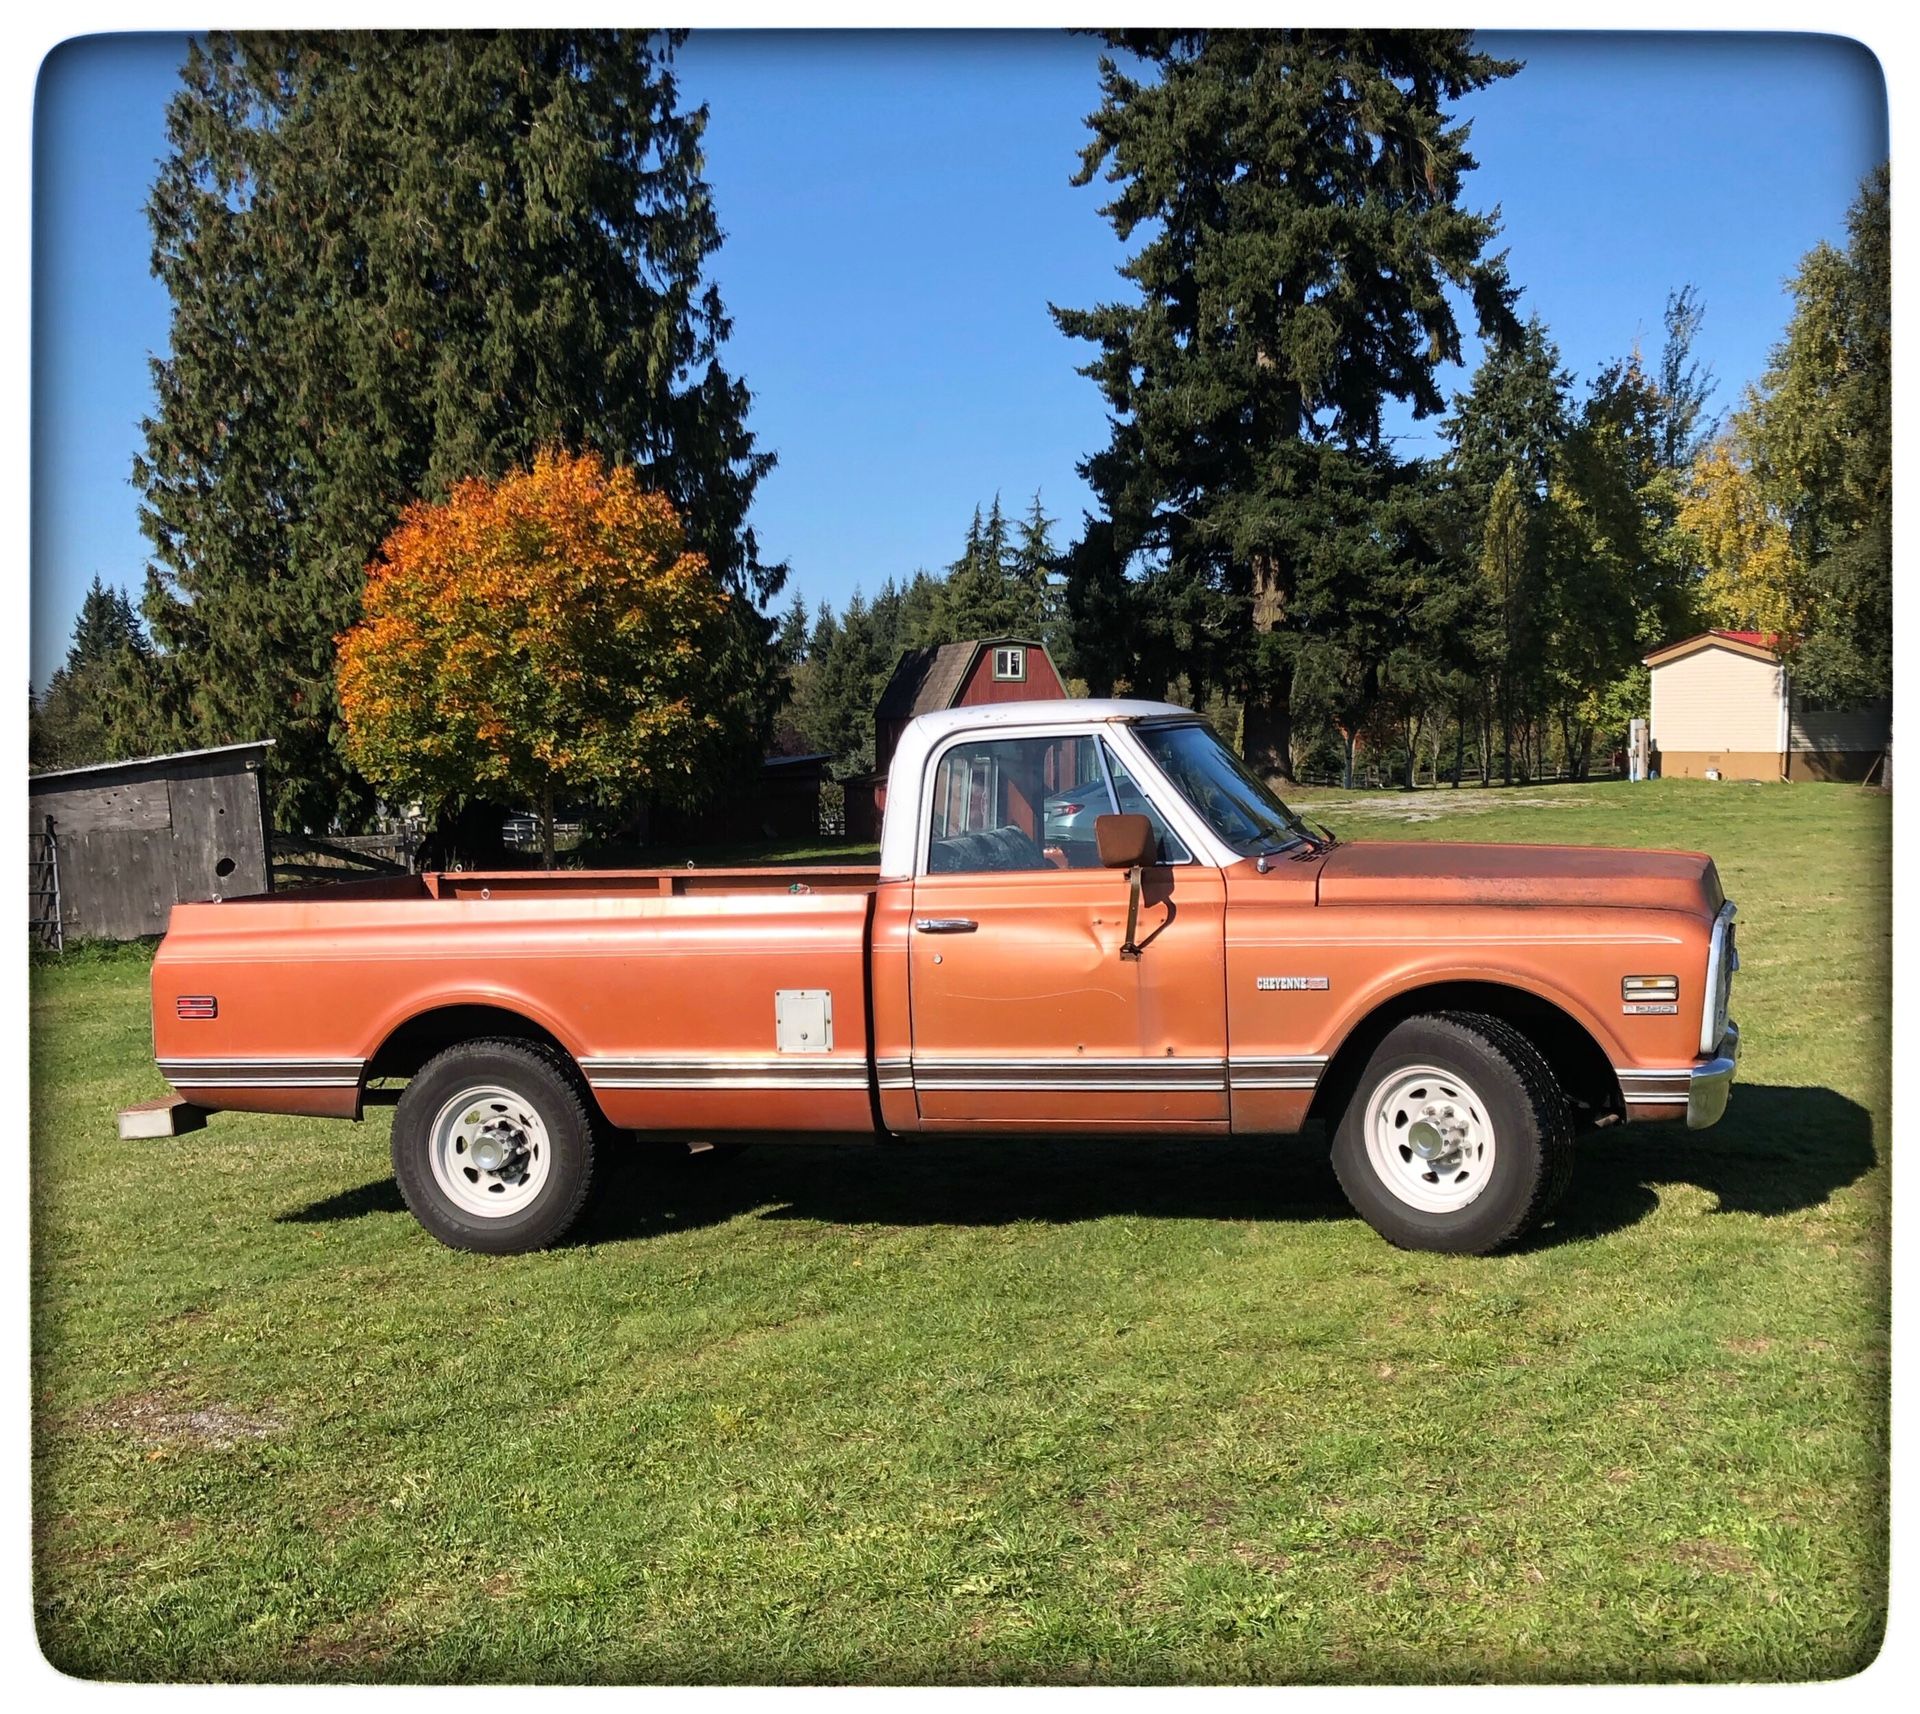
x,y
898,217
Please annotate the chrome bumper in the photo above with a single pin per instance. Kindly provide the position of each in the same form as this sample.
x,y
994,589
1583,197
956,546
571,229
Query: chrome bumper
x,y
1712,1082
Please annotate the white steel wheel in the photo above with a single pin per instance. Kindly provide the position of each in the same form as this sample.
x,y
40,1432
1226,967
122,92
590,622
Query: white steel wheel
x,y
493,1145
1415,1146
490,1151
1429,1138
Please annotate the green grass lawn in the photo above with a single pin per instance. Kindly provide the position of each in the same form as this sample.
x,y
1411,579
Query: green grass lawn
x,y
997,1411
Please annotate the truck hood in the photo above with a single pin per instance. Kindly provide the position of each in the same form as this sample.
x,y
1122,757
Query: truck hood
x,y
1421,872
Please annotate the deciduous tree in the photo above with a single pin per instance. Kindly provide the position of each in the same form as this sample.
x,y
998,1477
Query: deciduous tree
x,y
1819,429
549,632
1686,385
1751,577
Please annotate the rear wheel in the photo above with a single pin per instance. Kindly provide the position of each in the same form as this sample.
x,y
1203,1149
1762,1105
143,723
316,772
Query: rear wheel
x,y
493,1146
1457,1138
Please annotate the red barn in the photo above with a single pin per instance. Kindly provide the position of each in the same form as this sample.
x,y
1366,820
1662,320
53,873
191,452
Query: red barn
x,y
947,675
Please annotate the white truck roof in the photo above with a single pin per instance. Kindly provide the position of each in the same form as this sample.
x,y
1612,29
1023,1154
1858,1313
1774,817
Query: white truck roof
x,y
925,732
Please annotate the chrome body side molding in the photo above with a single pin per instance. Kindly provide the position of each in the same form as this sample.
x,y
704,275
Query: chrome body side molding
x,y
744,1071
262,1073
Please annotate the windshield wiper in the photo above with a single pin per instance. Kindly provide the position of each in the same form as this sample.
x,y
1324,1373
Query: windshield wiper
x,y
1303,837
1316,836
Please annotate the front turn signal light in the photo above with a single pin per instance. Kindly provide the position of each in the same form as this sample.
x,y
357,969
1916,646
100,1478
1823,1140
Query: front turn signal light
x,y
1650,987
1656,994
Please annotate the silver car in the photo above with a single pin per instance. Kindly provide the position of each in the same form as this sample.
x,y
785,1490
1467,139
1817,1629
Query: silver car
x,y
1070,813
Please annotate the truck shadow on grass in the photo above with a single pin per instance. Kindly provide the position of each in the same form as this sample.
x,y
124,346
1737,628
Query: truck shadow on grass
x,y
1778,1151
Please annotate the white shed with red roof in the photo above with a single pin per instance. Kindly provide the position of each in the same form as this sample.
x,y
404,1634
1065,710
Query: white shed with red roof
x,y
1723,702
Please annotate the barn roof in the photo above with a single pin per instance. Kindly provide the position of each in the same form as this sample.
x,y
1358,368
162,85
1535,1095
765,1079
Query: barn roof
x,y
927,680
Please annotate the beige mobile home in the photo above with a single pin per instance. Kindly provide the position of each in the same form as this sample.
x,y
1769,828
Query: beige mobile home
x,y
1722,702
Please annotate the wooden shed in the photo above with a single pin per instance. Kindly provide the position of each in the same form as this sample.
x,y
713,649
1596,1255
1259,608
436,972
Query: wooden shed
x,y
1723,702
946,675
112,848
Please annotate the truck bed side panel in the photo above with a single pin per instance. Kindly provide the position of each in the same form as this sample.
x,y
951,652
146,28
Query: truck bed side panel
x,y
667,1002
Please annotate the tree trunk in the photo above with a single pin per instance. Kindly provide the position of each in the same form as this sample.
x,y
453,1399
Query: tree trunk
x,y
1459,745
1268,721
1506,736
546,823
1267,728
1347,737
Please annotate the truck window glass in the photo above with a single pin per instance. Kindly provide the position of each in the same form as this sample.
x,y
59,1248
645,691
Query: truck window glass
x,y
1017,803
1210,777
1133,801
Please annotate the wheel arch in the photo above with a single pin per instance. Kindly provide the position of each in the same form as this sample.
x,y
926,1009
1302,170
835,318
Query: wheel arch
x,y
1579,1062
410,1043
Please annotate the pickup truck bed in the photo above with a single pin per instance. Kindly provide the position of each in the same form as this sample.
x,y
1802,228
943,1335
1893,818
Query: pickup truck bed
x,y
638,974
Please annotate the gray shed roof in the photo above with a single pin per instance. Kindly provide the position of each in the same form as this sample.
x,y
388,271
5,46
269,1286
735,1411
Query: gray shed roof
x,y
39,781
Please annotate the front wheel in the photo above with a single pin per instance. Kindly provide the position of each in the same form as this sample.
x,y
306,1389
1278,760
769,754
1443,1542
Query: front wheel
x,y
493,1147
1457,1137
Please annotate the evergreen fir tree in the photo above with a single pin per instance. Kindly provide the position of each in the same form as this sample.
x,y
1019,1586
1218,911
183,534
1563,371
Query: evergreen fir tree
x,y
397,259
106,624
1302,192
94,706
852,675
1514,416
1035,568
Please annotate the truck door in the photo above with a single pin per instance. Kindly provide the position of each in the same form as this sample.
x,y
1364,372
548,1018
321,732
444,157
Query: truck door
x,y
1025,1014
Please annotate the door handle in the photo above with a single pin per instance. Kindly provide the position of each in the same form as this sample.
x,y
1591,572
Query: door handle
x,y
945,925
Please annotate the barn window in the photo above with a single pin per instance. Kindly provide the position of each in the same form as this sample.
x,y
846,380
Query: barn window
x,y
1010,664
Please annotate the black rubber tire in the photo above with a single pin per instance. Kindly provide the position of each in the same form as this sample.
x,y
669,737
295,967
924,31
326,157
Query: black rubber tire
x,y
1532,1127
551,1085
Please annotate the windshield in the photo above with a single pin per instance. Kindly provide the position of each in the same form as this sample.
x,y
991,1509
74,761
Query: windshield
x,y
1230,800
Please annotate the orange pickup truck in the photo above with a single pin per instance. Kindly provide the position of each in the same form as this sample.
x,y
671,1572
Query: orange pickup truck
x,y
1087,918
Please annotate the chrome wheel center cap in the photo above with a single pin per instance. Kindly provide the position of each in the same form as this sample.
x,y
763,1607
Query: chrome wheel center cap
x,y
1425,1140
494,1148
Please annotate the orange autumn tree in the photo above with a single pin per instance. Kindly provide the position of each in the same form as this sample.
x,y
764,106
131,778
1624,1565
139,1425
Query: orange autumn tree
x,y
544,633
